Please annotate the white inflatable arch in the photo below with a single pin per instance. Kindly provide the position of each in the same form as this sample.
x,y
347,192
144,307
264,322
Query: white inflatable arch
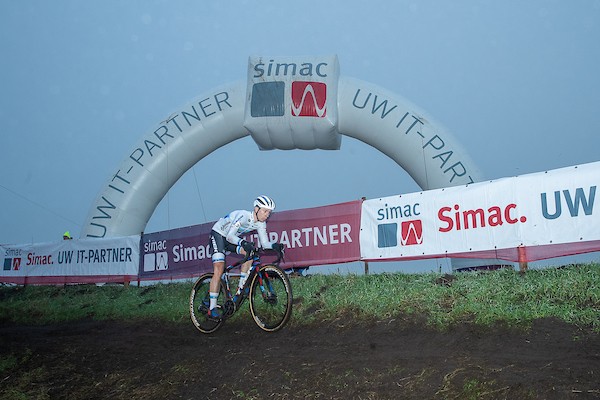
x,y
366,112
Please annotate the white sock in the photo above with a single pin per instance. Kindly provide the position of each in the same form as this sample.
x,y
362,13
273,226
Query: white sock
x,y
243,277
213,299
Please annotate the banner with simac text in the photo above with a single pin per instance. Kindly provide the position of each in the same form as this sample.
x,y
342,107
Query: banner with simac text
x,y
311,236
547,214
71,261
291,102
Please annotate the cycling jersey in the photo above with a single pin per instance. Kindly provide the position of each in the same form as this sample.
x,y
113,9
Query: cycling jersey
x,y
239,222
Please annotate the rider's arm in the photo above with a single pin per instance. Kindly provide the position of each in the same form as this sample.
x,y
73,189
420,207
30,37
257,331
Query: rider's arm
x,y
263,236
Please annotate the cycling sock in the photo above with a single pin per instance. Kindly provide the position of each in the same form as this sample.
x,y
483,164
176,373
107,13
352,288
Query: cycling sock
x,y
243,277
213,299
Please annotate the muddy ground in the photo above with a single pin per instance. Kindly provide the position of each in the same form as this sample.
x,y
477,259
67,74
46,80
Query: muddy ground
x,y
391,359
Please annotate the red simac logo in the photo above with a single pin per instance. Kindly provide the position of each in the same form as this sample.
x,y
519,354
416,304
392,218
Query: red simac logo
x,y
308,99
412,232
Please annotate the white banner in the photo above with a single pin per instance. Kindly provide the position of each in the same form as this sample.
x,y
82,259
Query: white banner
x,y
549,208
70,258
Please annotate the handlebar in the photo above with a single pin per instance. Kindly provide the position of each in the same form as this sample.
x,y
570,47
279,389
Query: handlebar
x,y
257,251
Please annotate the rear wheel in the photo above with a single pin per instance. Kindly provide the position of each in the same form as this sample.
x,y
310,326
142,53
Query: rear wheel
x,y
271,298
199,304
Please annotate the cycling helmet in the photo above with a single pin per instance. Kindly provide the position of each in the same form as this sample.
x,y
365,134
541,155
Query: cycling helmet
x,y
264,202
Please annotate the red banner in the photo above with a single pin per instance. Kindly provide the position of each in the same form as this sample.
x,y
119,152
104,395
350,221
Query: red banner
x,y
312,236
318,236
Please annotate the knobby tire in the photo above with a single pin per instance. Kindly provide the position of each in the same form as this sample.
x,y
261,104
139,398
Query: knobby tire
x,y
271,304
198,310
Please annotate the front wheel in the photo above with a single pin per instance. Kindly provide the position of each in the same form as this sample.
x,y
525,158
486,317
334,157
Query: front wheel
x,y
199,303
271,298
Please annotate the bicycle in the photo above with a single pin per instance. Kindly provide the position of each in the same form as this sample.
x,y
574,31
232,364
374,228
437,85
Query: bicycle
x,y
267,287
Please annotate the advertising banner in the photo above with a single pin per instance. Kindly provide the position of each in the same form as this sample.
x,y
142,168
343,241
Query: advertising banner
x,y
318,236
552,211
71,261
291,102
312,236
176,253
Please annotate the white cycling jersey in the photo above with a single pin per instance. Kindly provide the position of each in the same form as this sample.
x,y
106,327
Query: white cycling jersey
x,y
239,222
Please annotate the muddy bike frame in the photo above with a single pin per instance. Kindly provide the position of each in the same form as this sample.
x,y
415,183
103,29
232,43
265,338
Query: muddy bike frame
x,y
237,301
267,287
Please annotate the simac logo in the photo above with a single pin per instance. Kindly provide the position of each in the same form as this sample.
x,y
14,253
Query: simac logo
x,y
308,99
411,233
13,264
156,261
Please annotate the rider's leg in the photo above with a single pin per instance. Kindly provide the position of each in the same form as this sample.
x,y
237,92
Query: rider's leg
x,y
243,270
215,282
244,274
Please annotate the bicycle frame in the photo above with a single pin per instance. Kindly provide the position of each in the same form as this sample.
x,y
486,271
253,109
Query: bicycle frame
x,y
256,264
267,288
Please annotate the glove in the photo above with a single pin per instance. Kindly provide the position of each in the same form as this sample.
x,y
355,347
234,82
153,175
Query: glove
x,y
247,246
278,247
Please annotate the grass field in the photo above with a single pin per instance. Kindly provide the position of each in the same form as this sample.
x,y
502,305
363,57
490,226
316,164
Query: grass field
x,y
570,293
382,336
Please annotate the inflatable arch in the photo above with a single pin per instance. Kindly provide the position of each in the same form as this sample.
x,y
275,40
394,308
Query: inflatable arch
x,y
286,103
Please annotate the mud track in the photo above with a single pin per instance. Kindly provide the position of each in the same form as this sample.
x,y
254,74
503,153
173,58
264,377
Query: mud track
x,y
391,359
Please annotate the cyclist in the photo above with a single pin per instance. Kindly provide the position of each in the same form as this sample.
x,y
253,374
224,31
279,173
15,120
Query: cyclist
x,y
225,237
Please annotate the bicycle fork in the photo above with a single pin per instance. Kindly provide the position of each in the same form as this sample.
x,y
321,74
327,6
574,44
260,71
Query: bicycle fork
x,y
266,287
266,290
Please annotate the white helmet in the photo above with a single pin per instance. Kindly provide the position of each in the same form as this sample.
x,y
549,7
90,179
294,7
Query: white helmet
x,y
264,202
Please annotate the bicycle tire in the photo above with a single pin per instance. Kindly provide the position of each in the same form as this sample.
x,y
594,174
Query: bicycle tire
x,y
199,308
271,304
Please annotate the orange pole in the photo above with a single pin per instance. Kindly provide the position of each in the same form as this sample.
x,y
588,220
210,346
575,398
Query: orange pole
x,y
522,254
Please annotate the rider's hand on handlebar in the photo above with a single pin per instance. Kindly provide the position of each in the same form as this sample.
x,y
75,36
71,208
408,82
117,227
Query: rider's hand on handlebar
x,y
278,247
247,246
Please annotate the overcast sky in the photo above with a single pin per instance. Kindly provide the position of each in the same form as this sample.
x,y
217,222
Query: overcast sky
x,y
516,82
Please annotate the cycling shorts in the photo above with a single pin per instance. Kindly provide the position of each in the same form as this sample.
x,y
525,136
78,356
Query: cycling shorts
x,y
219,246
